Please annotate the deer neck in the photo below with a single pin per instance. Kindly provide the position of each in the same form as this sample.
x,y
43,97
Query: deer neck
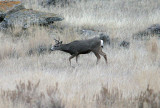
x,y
64,47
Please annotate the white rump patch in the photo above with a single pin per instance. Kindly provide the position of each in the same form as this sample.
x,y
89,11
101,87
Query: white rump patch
x,y
101,43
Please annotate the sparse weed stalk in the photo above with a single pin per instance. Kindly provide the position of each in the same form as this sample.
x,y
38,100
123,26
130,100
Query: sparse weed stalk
x,y
29,95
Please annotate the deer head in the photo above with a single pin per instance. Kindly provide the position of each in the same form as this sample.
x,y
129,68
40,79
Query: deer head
x,y
57,45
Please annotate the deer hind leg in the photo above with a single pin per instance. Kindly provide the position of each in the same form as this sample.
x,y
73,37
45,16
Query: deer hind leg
x,y
77,59
103,54
72,56
98,57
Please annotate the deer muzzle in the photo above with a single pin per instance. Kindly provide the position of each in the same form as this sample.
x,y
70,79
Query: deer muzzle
x,y
52,49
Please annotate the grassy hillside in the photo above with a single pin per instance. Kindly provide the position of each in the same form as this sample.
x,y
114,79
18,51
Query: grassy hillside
x,y
29,79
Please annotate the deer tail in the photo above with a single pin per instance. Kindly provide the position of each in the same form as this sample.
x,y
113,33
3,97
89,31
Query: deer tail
x,y
102,43
105,39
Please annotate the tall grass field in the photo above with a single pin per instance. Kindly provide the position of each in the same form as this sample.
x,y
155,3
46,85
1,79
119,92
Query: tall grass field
x,y
131,79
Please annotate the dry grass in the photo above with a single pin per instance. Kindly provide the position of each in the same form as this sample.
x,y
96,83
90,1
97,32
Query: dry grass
x,y
33,78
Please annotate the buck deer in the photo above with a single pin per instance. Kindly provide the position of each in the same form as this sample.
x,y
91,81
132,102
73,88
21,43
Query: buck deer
x,y
78,47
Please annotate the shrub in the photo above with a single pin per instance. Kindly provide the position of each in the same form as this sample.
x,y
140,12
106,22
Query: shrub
x,y
31,97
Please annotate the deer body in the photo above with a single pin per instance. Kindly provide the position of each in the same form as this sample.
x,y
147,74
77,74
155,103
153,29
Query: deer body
x,y
78,47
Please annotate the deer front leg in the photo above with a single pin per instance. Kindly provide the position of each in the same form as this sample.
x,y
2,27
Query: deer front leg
x,y
72,56
98,57
104,55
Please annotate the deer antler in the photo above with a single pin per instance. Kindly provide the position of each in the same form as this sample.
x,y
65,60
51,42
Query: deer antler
x,y
56,40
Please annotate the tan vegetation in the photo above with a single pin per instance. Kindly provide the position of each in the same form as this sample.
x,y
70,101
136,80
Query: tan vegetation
x,y
4,5
30,79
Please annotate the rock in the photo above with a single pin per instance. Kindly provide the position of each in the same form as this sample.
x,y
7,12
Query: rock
x,y
3,25
125,44
119,43
148,33
49,2
16,8
7,5
105,38
22,17
112,42
92,33
154,29
89,32
58,2
2,16
52,19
